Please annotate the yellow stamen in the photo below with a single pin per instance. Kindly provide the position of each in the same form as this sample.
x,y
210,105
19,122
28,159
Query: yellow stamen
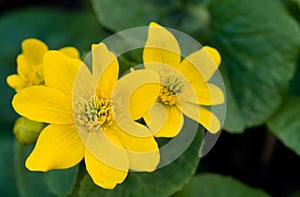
x,y
94,112
167,96
171,88
35,77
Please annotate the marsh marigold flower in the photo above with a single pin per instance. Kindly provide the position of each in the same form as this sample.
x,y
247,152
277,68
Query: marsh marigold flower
x,y
162,54
82,120
30,64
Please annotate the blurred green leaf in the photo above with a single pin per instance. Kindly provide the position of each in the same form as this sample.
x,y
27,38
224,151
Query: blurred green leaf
x,y
210,184
259,48
162,182
7,181
285,124
57,28
233,123
293,6
61,182
189,16
294,87
29,183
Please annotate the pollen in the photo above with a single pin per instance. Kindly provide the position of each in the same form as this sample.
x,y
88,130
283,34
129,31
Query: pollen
x,y
94,112
171,88
36,76
167,96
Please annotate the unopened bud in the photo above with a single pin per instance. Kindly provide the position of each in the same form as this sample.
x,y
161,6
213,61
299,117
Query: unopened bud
x,y
27,131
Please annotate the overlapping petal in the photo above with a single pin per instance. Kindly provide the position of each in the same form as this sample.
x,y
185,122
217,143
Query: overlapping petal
x,y
33,51
172,120
207,94
202,115
106,147
70,52
60,71
136,92
161,47
58,147
143,153
105,69
200,65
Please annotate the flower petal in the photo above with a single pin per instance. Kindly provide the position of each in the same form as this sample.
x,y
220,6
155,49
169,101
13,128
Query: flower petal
x,y
201,115
208,94
102,174
105,69
135,93
142,152
34,51
201,64
161,47
172,124
105,147
23,68
70,52
58,147
60,71
16,82
43,104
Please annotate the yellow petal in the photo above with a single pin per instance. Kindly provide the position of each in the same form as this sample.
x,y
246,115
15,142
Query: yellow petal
x,y
172,120
43,104
201,64
102,174
23,68
136,92
70,52
105,69
16,82
58,147
207,94
33,51
106,148
161,47
142,152
201,115
60,71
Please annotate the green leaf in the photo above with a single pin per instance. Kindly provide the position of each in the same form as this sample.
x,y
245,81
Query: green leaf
x,y
259,48
209,184
293,6
189,16
285,124
29,183
61,182
233,123
57,28
162,182
294,88
8,185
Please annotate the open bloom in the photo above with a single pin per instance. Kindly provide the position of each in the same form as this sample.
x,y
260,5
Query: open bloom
x,y
185,84
30,64
81,109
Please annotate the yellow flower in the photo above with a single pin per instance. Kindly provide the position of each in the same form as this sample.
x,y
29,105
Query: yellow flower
x,y
30,64
179,80
86,126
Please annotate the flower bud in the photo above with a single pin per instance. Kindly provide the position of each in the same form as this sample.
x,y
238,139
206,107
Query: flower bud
x,y
27,131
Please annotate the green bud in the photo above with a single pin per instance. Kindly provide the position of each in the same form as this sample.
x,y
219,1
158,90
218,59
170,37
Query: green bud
x,y
27,131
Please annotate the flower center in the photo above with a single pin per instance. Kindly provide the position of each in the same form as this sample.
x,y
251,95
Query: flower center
x,y
167,96
94,112
172,87
35,77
